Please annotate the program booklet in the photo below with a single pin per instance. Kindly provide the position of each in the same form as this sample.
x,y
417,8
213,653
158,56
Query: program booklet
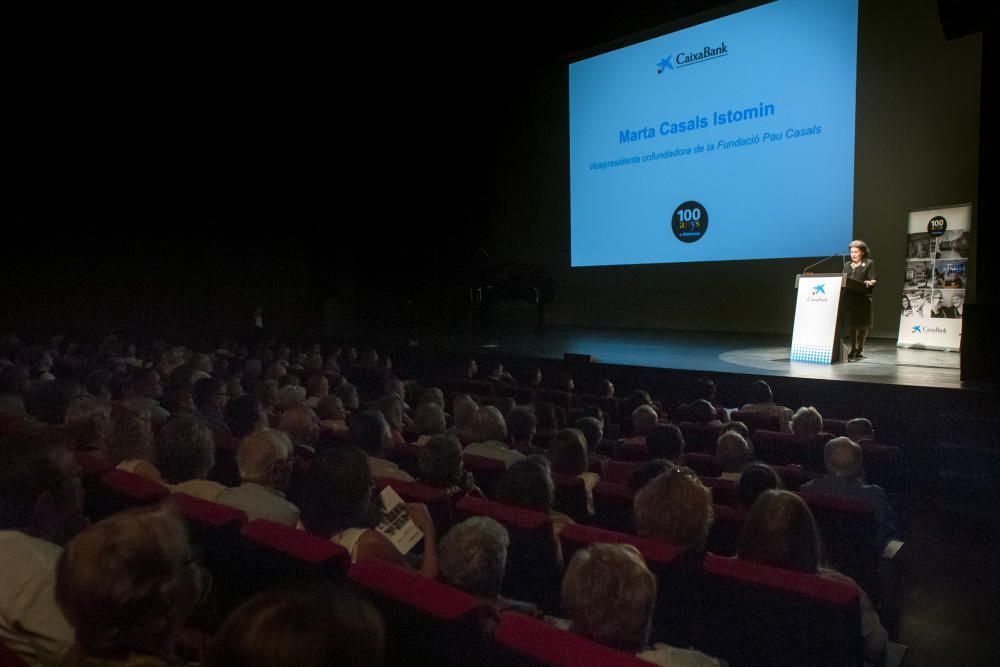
x,y
396,523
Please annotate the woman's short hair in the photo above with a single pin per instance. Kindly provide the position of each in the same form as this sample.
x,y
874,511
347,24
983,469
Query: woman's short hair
x,y
732,451
593,431
429,419
521,423
441,461
861,245
185,449
755,480
306,626
644,419
125,583
807,422
568,452
609,595
337,492
131,435
432,395
528,484
472,556
88,420
780,531
675,508
489,424
665,442
243,414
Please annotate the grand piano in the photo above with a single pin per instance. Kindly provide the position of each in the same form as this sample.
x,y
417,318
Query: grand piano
x,y
512,281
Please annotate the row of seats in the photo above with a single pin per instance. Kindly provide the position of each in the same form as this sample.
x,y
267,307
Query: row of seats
x,y
810,620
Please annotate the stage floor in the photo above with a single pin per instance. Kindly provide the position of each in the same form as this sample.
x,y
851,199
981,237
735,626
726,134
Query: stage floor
x,y
760,354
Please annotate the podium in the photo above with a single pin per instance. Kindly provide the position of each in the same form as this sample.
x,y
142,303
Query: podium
x,y
819,308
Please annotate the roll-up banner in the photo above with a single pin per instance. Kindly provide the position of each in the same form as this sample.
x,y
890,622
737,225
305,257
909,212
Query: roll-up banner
x,y
937,254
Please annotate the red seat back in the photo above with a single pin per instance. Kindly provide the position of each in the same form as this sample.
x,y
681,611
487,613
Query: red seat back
x,y
757,421
121,490
705,465
522,640
534,573
701,437
724,535
426,622
779,448
570,496
613,507
758,615
488,472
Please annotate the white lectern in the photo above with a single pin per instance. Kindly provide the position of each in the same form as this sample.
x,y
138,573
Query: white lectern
x,y
815,336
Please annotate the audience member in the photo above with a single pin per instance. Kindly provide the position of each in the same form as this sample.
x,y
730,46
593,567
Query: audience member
x,y
528,484
490,431
675,508
244,415
780,531
338,504
463,408
755,480
264,459
665,442
370,432
306,626
609,595
428,422
860,429
844,477
441,466
210,400
762,402
568,456
301,425
130,446
546,424
41,504
732,453
88,423
521,426
473,559
644,420
185,454
127,586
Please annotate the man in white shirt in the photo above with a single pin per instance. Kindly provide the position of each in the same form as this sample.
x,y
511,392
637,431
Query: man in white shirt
x,y
41,500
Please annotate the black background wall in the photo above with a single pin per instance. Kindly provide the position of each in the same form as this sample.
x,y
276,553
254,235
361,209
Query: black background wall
x,y
171,168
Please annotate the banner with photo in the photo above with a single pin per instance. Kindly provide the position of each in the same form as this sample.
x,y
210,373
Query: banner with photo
x,y
937,254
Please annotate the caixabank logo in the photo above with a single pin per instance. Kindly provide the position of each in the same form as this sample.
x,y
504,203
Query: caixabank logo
x,y
688,58
921,329
818,293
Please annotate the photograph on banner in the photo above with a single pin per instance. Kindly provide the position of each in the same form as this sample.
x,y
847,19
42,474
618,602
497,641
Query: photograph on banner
x,y
949,273
917,303
918,274
952,244
937,251
953,302
919,246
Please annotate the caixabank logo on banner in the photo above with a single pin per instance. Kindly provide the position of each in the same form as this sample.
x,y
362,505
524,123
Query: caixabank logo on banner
x,y
921,329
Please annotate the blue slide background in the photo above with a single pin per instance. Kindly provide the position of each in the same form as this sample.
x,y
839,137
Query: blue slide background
x,y
789,198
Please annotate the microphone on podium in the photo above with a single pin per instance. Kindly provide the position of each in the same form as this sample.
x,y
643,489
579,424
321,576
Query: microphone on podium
x,y
806,271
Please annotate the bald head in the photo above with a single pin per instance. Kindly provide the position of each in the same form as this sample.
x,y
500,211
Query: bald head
x,y
843,457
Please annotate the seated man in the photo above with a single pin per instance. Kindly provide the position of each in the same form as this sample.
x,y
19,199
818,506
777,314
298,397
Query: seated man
x,y
844,466
860,429
473,558
644,420
264,459
490,431
41,500
762,401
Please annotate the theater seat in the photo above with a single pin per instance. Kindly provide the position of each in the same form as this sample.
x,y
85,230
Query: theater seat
x,y
426,622
701,437
272,555
757,421
758,615
571,496
488,472
779,448
677,573
704,465
613,507
522,640
723,490
724,535
619,472
847,526
533,570
121,490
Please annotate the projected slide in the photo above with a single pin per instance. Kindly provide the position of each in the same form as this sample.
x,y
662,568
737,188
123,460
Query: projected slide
x,y
733,139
